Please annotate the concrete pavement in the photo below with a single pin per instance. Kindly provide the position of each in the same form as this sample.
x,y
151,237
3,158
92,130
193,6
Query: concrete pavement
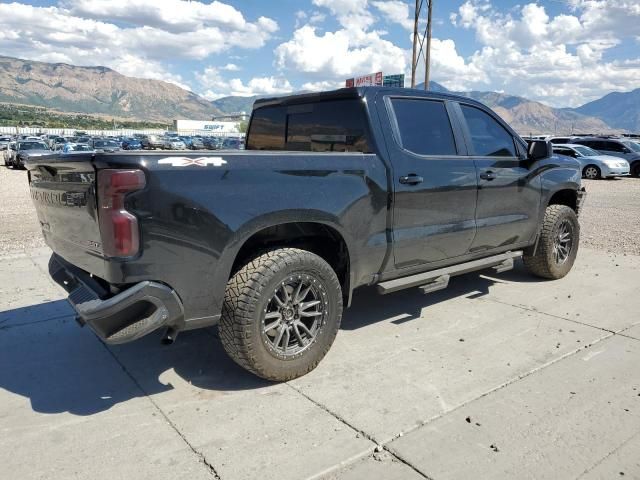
x,y
499,376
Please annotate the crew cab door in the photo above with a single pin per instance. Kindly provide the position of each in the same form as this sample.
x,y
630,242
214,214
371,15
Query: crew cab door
x,y
508,193
434,184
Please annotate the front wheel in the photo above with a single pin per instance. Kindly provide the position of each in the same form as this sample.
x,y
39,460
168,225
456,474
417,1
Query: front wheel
x,y
281,313
557,245
591,172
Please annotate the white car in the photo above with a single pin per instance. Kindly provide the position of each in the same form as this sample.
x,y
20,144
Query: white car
x,y
594,164
76,148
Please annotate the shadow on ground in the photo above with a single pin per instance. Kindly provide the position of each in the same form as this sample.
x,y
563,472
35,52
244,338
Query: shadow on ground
x,y
60,367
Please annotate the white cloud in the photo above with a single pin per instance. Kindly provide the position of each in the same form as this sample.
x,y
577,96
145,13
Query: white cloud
x,y
396,11
351,14
260,86
322,85
231,67
560,60
215,86
338,54
136,37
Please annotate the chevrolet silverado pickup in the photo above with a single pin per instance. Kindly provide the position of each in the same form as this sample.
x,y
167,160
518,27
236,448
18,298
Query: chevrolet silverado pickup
x,y
391,187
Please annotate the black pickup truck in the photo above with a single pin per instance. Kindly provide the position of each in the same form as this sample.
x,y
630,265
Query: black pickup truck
x,y
362,186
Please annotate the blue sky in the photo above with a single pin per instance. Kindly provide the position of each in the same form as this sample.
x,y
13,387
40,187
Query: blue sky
x,y
561,52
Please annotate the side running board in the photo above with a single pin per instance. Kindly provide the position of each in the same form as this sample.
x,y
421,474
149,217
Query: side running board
x,y
439,279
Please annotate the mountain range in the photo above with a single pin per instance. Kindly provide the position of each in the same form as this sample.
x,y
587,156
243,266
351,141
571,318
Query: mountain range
x,y
105,92
97,90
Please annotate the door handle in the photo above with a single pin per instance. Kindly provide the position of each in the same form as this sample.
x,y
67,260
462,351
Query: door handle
x,y
488,175
411,179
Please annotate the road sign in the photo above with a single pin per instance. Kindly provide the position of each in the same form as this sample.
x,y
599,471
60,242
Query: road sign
x,y
365,80
393,80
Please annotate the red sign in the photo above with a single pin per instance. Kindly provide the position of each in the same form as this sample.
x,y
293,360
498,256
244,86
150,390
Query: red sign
x,y
365,80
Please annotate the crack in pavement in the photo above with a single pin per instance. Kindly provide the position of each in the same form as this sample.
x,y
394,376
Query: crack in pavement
x,y
632,437
195,451
355,429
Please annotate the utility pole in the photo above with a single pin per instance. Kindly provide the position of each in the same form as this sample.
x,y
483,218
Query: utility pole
x,y
427,57
424,50
415,44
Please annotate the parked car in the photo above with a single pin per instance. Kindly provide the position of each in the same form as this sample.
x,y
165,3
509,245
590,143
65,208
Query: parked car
x,y
4,143
187,141
75,148
212,143
196,143
381,186
559,140
173,143
233,143
107,146
131,144
616,147
27,149
594,165
151,142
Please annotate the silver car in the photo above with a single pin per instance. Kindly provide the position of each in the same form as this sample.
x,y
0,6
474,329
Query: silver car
x,y
617,147
174,143
594,165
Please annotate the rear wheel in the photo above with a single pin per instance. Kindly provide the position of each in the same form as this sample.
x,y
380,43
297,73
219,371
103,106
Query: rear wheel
x,y
591,172
281,313
557,245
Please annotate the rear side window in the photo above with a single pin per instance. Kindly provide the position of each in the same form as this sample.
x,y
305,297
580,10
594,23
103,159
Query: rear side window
x,y
488,137
267,129
613,146
332,126
423,126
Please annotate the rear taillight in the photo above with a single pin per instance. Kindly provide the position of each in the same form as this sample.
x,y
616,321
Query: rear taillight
x,y
118,227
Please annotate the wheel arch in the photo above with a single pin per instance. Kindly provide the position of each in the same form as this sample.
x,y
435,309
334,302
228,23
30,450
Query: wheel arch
x,y
318,233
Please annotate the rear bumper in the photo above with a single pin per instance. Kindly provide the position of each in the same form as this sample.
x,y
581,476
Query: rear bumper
x,y
126,316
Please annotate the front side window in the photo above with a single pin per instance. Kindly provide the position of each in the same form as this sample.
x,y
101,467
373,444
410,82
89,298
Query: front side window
x,y
423,126
488,137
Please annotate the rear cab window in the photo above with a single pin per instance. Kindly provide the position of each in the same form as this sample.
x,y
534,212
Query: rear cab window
x,y
423,126
328,126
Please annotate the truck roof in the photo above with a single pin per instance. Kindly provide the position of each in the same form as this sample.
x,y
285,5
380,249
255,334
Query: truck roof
x,y
354,92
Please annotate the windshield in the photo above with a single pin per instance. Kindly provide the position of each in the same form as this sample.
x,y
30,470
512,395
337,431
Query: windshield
x,y
33,146
586,151
633,146
80,148
105,143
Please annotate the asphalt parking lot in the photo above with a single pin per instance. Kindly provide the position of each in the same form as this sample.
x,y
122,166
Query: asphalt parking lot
x,y
499,376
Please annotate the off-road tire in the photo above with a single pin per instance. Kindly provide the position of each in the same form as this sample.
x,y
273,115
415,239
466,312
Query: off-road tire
x,y
247,294
543,263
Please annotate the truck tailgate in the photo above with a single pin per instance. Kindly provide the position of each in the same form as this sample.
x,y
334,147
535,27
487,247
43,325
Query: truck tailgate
x,y
63,190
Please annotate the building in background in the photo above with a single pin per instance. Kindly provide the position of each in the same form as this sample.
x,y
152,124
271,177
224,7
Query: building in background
x,y
205,126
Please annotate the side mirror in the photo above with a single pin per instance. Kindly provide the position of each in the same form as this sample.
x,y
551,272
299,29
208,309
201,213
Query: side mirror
x,y
539,149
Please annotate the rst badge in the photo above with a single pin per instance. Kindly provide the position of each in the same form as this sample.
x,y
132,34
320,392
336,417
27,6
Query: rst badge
x,y
185,162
